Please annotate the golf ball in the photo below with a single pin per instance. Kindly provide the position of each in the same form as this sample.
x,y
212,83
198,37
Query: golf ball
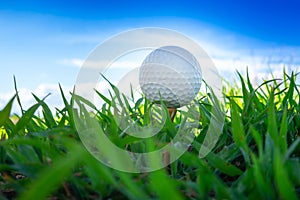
x,y
170,74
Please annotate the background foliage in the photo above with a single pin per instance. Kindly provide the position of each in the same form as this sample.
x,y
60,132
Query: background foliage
x,y
256,157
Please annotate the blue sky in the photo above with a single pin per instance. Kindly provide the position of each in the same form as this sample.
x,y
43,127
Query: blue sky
x,y
43,43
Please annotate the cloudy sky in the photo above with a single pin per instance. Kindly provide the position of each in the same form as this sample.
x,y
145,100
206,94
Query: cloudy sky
x,y
44,43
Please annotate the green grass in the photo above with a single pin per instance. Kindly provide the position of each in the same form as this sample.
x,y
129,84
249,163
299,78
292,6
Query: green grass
x,y
256,156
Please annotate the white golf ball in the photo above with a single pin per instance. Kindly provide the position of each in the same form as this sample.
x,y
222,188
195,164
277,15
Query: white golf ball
x,y
170,74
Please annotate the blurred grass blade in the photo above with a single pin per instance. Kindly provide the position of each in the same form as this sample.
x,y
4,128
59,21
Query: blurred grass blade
x,y
264,186
135,191
283,183
26,117
283,132
51,177
272,123
259,141
238,132
5,112
291,149
244,89
290,94
223,165
163,186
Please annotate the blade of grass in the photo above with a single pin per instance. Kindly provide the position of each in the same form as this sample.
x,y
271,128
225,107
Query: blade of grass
x,y
163,186
18,98
283,132
25,119
50,121
272,123
283,183
223,165
291,148
5,112
238,132
68,107
263,182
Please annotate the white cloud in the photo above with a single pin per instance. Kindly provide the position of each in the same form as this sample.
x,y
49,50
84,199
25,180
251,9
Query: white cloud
x,y
76,62
262,63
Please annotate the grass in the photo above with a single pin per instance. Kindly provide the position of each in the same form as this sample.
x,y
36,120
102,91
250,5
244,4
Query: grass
x,y
256,156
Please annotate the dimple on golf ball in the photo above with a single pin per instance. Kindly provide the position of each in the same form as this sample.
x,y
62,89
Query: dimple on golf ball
x,y
170,74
